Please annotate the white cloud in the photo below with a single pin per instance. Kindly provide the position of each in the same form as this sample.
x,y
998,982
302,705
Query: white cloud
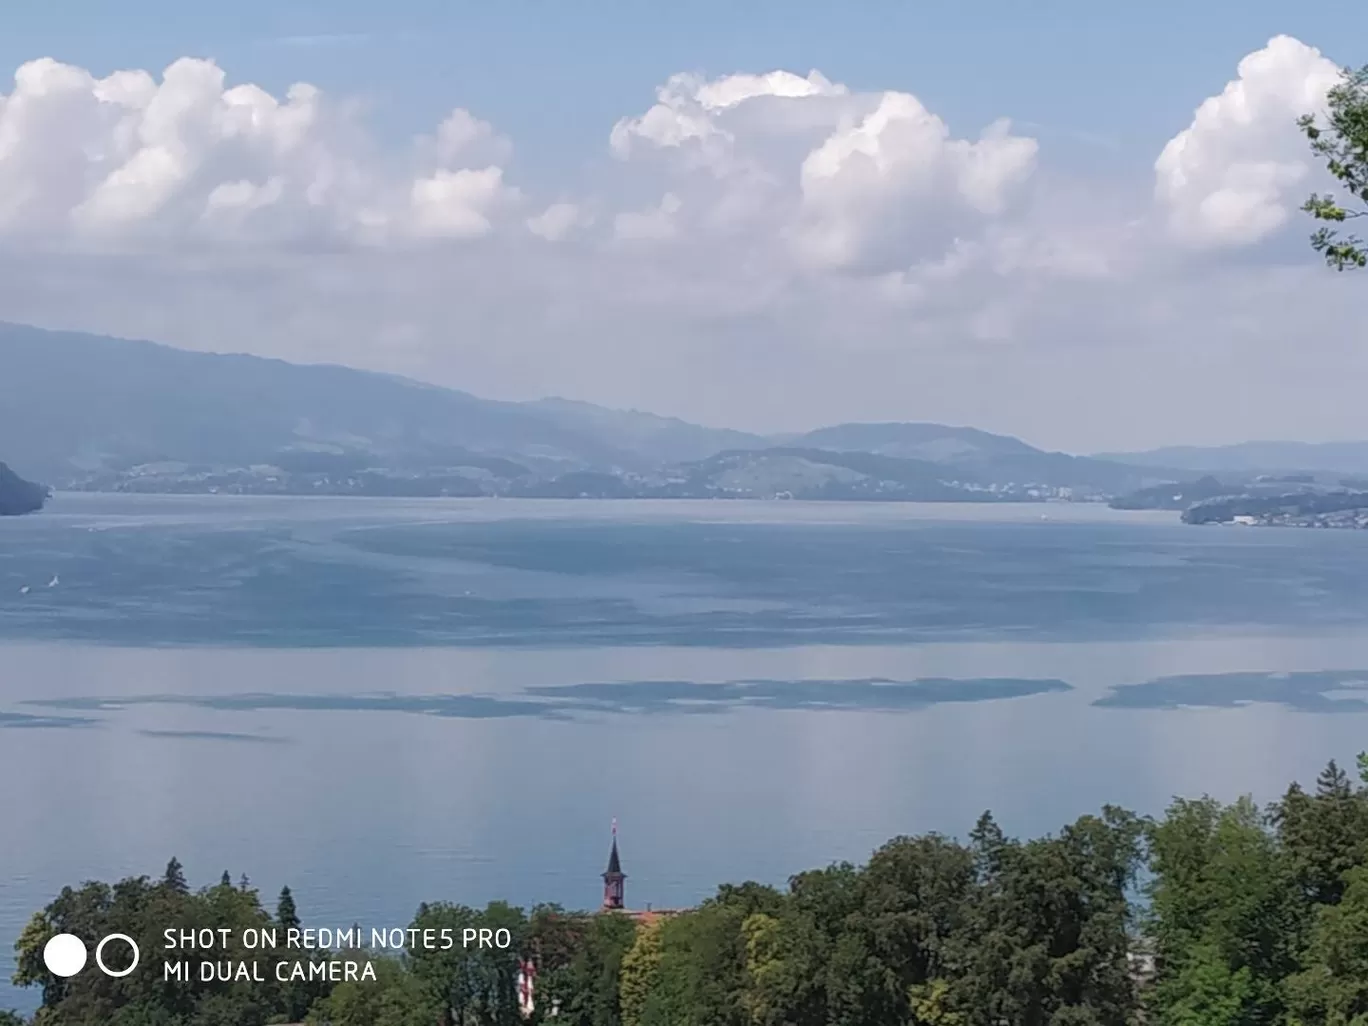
x,y
457,204
688,107
1235,174
657,223
128,158
837,179
463,138
850,251
558,220
885,185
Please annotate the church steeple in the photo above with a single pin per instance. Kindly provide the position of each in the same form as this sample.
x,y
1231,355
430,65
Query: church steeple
x,y
613,877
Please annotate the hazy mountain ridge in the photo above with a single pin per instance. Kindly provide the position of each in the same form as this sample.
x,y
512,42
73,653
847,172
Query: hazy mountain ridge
x,y
86,411
71,402
1258,457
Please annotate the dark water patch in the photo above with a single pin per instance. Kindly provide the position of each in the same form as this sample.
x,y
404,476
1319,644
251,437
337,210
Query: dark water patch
x,y
21,721
623,698
215,735
1305,691
457,706
866,694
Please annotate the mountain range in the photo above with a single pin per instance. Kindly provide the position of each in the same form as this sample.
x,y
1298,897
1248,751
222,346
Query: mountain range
x,y
88,411
1255,458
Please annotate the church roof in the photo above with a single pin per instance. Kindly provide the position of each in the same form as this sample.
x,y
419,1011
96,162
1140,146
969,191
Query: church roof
x,y
614,863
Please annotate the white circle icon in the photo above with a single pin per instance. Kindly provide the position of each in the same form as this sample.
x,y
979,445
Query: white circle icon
x,y
64,955
99,951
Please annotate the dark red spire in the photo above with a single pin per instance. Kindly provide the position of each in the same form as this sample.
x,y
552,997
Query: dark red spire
x,y
613,877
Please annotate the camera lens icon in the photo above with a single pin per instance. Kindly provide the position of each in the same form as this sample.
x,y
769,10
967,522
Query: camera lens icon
x,y
65,955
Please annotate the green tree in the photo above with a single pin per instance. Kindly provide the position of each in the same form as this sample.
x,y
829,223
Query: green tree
x,y
1342,142
1049,933
472,984
593,978
174,877
287,915
702,965
396,997
1323,836
1222,915
1333,988
143,910
640,974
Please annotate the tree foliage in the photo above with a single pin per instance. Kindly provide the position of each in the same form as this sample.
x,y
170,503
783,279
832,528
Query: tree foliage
x,y
1341,140
1254,917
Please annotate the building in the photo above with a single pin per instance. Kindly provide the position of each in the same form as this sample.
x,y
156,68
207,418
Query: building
x,y
614,892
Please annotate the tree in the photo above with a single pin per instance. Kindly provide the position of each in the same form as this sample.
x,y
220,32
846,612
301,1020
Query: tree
x,y
174,878
1047,937
1342,141
395,997
1222,915
701,972
1333,988
1324,835
286,913
144,909
471,984
640,974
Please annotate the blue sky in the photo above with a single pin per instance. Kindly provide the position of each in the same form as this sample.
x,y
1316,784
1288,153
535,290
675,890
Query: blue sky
x,y
556,75
766,252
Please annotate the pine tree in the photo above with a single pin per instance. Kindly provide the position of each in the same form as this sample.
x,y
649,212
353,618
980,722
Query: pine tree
x,y
174,877
226,881
989,845
286,913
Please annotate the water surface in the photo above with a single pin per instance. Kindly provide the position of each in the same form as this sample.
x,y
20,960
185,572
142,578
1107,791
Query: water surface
x,y
381,702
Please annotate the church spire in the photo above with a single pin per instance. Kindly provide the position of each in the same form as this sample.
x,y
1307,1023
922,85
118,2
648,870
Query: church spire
x,y
613,877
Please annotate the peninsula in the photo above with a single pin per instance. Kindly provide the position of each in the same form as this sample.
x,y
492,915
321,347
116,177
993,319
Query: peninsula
x,y
18,496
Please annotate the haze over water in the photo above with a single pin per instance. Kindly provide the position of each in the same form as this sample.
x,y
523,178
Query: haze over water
x,y
383,702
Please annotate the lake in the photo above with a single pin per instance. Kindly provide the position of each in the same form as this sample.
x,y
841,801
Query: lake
x,y
380,702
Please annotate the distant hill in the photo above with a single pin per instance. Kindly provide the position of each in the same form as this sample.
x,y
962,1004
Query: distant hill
x,y
1255,457
85,411
72,404
939,443
18,496
1177,495
804,473
986,457
665,439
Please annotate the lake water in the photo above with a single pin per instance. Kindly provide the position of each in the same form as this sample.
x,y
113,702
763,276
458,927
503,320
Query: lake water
x,y
383,702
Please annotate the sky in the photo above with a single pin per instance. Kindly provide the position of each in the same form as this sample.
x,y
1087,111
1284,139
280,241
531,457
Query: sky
x,y
1075,223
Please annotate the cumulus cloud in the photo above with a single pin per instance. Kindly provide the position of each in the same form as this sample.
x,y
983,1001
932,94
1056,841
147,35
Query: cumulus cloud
x,y
462,138
897,178
850,249
558,220
1234,175
868,181
131,157
457,204
689,108
656,223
